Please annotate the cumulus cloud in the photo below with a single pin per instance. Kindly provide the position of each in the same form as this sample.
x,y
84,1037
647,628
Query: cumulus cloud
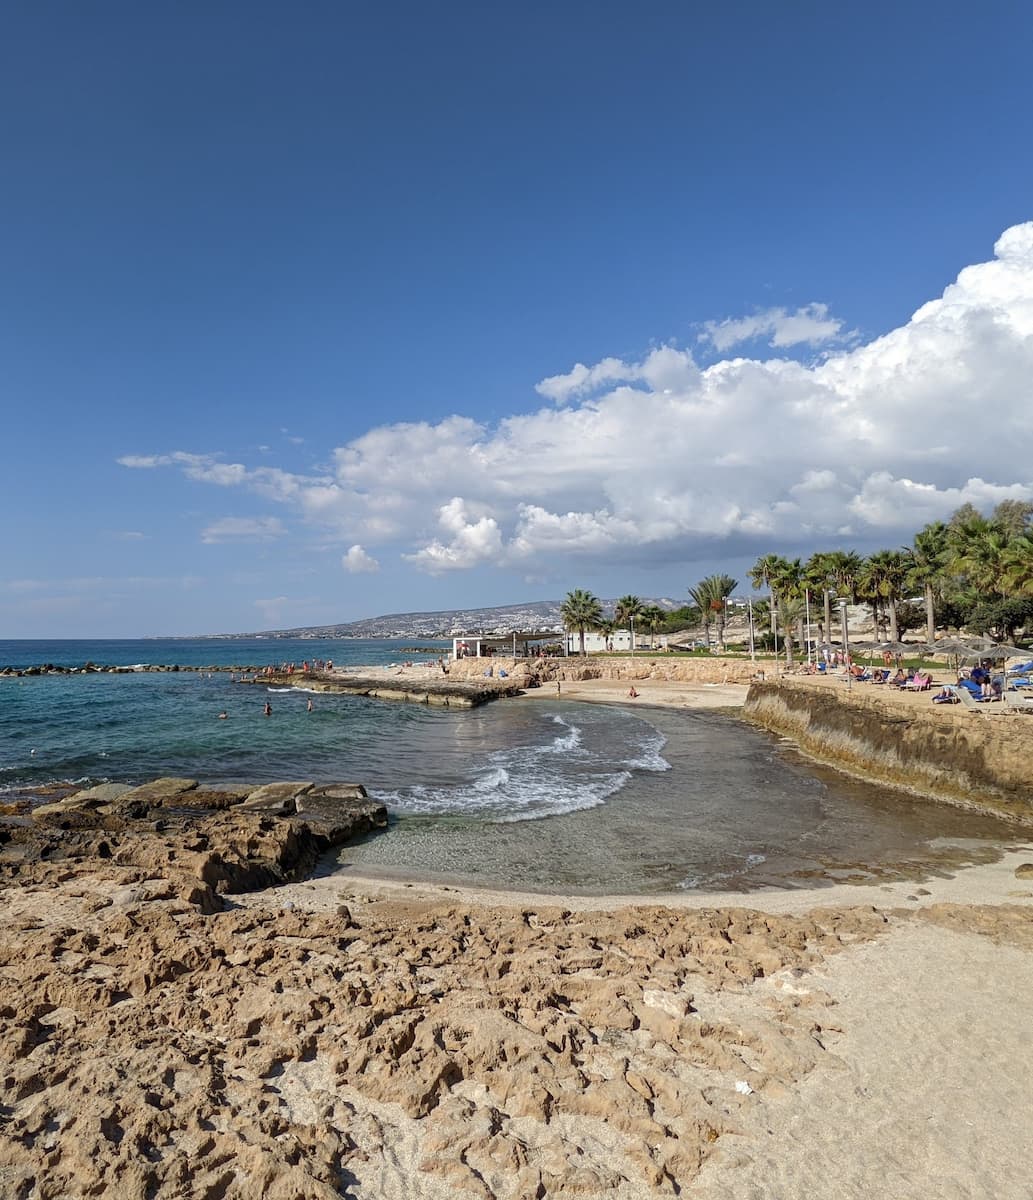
x,y
810,325
243,529
661,460
472,540
358,562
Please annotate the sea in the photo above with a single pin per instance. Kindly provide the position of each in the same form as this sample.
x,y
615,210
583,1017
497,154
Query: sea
x,y
544,795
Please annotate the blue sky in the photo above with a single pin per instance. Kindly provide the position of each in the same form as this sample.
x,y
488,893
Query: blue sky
x,y
309,313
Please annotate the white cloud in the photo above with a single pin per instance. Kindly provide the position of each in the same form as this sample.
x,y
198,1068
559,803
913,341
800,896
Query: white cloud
x,y
659,460
243,529
358,562
474,540
810,325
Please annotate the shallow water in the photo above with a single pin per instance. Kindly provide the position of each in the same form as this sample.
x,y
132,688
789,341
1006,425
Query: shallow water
x,y
531,794
737,809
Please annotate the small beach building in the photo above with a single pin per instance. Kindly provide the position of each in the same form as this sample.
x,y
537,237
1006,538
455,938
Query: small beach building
x,y
518,644
619,640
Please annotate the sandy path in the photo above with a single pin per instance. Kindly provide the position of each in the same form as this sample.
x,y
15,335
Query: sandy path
x,y
924,1091
930,1094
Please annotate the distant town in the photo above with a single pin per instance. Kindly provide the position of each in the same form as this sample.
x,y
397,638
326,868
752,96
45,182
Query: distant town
x,y
539,615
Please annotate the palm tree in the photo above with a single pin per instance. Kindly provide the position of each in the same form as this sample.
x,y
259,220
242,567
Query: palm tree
x,y
654,618
820,576
927,555
606,628
883,580
718,588
625,611
790,612
701,599
762,573
581,610
1017,566
845,567
976,549
788,584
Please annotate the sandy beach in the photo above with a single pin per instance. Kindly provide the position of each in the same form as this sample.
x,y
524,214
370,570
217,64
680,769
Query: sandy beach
x,y
347,1036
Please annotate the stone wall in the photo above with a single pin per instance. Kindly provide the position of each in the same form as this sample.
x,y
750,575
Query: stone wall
x,y
685,670
961,757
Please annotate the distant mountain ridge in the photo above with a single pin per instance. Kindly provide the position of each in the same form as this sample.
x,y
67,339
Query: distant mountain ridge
x,y
536,615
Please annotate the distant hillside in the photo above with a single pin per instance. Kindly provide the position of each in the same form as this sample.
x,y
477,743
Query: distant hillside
x,y
543,615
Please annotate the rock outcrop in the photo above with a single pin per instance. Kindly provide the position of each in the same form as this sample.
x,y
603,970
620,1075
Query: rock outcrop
x,y
205,843
955,756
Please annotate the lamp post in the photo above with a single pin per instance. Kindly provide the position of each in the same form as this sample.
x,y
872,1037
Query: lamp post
x,y
846,640
753,648
632,635
807,634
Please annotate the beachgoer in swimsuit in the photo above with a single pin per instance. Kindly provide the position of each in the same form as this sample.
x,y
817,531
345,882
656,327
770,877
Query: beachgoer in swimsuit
x,y
268,710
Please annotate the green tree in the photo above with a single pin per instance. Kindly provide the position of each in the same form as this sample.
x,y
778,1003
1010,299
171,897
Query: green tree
x,y
581,611
976,549
701,599
1014,517
654,618
883,581
717,589
790,613
762,575
928,556
625,612
819,576
1017,566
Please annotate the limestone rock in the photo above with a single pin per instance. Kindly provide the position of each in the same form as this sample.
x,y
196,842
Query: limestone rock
x,y
275,797
1024,871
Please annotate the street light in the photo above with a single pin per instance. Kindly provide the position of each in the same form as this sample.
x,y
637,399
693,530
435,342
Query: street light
x,y
753,648
632,635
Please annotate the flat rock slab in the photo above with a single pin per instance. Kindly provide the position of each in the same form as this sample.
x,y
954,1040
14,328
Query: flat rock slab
x,y
339,791
159,791
276,797
103,793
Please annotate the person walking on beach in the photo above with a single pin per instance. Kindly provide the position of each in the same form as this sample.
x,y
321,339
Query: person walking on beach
x,y
557,688
268,710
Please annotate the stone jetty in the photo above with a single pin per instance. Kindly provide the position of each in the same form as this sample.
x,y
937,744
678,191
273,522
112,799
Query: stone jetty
x,y
449,693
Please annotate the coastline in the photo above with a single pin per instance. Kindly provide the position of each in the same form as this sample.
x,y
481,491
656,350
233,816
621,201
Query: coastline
x,y
349,1034
424,1043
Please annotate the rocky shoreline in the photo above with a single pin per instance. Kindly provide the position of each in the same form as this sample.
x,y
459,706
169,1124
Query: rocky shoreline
x,y
180,839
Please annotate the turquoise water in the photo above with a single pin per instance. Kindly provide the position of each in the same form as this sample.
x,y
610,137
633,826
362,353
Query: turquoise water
x,y
538,794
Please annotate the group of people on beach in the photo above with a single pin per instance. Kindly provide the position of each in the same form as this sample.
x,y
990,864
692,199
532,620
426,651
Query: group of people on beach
x,y
307,667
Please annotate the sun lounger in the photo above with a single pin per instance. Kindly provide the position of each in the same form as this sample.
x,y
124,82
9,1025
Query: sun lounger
x,y
921,682
969,701
1017,702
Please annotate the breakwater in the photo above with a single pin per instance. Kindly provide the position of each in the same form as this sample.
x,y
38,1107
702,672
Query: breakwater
x,y
448,693
960,758
91,668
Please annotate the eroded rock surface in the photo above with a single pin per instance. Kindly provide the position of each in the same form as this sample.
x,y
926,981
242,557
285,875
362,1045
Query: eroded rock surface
x,y
151,1049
